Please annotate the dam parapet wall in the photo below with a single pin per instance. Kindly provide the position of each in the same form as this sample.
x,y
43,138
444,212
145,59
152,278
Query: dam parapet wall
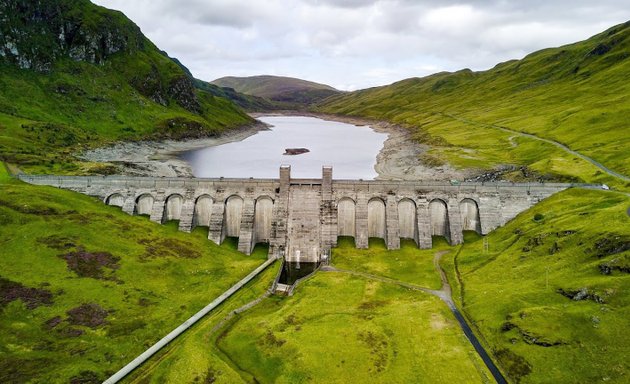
x,y
301,219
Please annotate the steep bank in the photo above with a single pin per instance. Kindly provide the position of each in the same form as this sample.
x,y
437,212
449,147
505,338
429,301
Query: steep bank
x,y
74,75
575,95
549,292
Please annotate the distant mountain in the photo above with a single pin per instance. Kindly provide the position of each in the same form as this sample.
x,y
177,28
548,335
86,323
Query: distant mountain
x,y
74,74
577,95
286,90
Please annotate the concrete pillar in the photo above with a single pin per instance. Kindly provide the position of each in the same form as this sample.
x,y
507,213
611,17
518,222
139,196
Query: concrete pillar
x,y
130,203
455,222
215,229
328,211
157,212
285,179
362,237
393,228
246,235
489,212
424,224
279,222
186,222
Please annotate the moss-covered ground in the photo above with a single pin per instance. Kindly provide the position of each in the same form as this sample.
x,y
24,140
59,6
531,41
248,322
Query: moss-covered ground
x,y
408,264
551,296
84,287
337,328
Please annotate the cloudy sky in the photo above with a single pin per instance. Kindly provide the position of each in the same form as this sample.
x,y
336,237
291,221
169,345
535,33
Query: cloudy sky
x,y
354,44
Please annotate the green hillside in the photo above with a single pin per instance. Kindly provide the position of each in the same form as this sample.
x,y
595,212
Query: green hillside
x,y
288,91
75,304
551,296
76,75
577,95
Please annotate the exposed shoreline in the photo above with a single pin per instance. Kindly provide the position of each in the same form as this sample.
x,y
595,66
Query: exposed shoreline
x,y
399,159
163,158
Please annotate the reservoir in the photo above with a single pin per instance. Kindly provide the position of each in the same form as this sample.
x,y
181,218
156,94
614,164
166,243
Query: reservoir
x,y
350,149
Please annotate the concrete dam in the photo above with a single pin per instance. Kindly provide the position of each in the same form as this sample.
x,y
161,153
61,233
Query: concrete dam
x,y
301,219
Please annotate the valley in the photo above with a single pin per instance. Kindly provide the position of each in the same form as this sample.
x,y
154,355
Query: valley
x,y
511,184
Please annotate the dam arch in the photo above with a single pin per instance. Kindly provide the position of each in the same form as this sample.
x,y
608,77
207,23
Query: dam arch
x,y
233,215
346,217
263,215
469,210
116,200
407,219
173,207
144,204
309,214
377,224
203,211
438,213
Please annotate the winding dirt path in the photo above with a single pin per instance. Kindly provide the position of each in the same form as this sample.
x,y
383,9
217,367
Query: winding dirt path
x,y
596,163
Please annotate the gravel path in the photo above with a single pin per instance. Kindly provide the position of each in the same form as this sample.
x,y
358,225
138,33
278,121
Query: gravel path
x,y
553,142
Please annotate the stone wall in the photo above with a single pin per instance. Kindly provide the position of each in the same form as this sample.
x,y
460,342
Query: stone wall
x,y
301,218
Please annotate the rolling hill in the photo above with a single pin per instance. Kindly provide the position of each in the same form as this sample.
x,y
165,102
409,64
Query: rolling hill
x,y
549,293
288,91
576,95
75,75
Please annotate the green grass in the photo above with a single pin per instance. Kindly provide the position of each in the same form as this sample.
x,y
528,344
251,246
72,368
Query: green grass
x,y
285,92
563,94
159,278
408,264
512,294
193,357
48,117
339,328
373,331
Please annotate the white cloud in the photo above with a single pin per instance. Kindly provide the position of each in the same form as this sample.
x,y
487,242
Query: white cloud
x,y
354,44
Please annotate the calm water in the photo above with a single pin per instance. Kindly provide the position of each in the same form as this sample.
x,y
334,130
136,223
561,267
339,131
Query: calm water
x,y
351,150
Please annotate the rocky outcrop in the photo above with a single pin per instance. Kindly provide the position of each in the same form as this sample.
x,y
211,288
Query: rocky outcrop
x,y
36,33
581,294
182,90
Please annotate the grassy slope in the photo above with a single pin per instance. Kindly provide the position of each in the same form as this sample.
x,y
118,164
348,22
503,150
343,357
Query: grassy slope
x,y
409,264
373,332
280,89
576,95
193,357
338,329
163,277
45,117
511,293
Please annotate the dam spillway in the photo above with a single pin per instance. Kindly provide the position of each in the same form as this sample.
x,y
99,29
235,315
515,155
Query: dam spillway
x,y
302,218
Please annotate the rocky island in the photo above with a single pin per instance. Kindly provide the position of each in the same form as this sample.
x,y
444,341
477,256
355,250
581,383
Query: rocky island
x,y
295,151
